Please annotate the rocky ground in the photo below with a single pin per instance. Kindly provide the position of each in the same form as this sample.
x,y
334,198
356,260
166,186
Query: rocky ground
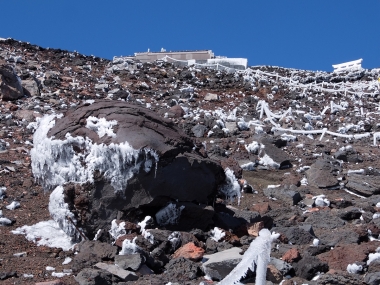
x,y
302,147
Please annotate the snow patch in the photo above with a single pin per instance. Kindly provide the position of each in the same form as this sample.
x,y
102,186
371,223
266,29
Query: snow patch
x,y
46,233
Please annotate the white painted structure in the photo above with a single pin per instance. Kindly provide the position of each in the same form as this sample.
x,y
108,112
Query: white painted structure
x,y
351,65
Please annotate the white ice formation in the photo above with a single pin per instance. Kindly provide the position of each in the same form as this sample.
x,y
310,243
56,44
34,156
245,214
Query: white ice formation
x,y
55,162
231,188
60,213
257,254
217,234
101,126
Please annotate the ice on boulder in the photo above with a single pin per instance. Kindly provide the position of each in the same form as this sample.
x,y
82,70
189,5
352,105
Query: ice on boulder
x,y
117,229
101,126
217,234
231,188
129,247
55,162
60,213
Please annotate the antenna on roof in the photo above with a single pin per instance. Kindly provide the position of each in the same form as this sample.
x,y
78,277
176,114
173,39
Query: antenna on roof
x,y
148,49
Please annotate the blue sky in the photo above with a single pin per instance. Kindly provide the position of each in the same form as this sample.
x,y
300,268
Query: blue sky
x,y
301,34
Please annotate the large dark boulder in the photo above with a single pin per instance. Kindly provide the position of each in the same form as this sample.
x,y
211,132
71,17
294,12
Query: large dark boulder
x,y
141,162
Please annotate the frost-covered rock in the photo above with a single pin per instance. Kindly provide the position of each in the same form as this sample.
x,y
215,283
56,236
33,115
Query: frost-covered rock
x,y
118,157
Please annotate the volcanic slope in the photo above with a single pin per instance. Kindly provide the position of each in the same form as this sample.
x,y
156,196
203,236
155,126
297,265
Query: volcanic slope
x,y
301,145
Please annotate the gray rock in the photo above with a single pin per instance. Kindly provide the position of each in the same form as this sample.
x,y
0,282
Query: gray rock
x,y
10,83
220,264
281,265
182,269
349,213
277,154
363,185
31,87
247,216
343,278
123,274
130,261
285,193
308,266
340,235
323,174
91,252
231,126
325,220
211,97
349,155
89,276
296,235
199,130
372,278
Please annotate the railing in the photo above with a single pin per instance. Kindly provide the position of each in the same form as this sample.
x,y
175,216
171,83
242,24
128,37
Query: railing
x,y
351,65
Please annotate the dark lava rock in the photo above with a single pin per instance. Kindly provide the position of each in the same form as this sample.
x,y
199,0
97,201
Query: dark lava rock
x,y
285,193
10,84
323,173
180,174
365,185
89,276
340,278
308,267
324,220
91,252
182,269
340,235
372,278
349,155
277,154
129,261
295,235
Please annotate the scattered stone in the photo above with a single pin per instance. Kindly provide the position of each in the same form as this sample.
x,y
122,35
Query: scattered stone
x,y
124,275
220,264
130,261
189,251
291,255
89,276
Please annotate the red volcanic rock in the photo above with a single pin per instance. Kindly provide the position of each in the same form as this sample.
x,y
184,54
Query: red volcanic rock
x,y
189,251
291,255
339,257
